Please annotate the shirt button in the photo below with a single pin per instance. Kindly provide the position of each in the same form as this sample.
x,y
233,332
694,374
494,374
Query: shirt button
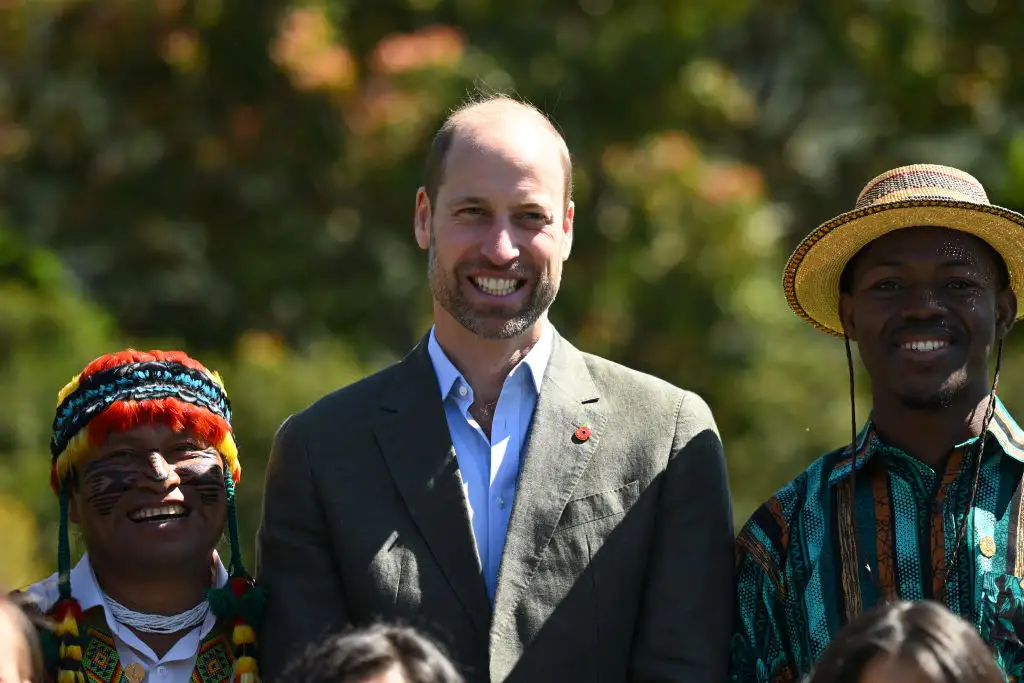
x,y
463,391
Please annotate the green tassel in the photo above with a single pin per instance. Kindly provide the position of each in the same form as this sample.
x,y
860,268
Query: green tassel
x,y
223,602
254,602
50,645
226,606
63,545
235,565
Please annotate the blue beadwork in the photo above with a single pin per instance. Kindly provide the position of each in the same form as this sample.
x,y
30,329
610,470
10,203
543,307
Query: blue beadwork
x,y
143,381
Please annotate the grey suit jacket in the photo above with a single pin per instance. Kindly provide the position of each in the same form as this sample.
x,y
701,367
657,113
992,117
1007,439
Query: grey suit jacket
x,y
618,561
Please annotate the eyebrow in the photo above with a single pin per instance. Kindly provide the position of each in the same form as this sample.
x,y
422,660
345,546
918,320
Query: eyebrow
x,y
468,200
122,440
528,205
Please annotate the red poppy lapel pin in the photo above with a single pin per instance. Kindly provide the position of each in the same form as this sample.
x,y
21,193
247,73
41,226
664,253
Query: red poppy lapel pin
x,y
582,433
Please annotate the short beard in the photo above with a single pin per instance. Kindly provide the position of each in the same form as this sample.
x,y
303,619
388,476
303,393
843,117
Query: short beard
x,y
943,399
445,288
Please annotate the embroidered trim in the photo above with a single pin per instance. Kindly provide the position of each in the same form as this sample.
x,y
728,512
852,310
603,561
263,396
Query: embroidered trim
x,y
102,663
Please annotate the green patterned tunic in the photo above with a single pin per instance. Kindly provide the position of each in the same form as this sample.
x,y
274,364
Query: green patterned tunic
x,y
103,665
828,546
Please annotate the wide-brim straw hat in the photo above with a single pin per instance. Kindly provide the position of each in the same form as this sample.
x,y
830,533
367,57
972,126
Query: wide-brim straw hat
x,y
905,197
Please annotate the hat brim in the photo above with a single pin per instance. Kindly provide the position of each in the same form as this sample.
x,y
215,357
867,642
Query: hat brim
x,y
811,277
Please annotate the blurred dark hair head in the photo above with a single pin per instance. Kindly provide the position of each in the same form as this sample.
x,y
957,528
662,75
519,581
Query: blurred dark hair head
x,y
923,636
362,654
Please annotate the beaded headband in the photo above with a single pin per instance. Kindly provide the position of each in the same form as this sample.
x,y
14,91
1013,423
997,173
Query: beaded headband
x,y
196,397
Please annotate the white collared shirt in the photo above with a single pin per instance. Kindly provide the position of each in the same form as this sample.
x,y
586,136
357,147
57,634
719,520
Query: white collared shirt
x,y
490,466
174,667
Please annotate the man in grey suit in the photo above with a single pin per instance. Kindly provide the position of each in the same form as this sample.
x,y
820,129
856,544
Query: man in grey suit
x,y
546,514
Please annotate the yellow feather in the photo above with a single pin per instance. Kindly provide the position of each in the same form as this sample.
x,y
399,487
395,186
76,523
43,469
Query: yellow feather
x,y
68,388
71,652
245,665
75,454
229,450
243,635
64,676
67,625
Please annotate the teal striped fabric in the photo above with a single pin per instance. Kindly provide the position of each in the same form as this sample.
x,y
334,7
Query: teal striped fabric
x,y
829,546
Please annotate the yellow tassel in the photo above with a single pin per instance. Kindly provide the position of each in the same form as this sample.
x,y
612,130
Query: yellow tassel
x,y
243,635
65,676
71,652
246,678
244,665
66,626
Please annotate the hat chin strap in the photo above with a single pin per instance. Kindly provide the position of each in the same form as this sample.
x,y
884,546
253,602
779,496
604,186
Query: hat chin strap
x,y
861,558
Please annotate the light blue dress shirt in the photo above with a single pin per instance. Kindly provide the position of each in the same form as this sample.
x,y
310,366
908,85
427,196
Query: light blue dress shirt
x,y
490,467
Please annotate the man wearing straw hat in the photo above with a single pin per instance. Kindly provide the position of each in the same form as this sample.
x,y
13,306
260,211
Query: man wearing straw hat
x,y
925,502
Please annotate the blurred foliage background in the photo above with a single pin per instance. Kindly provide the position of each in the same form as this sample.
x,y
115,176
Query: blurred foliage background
x,y
236,178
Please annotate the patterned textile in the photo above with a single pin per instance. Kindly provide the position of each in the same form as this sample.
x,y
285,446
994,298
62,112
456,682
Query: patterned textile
x,y
103,665
829,546
922,181
101,662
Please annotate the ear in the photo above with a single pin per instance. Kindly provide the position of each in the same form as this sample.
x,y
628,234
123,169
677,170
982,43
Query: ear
x,y
567,230
846,316
422,218
1006,312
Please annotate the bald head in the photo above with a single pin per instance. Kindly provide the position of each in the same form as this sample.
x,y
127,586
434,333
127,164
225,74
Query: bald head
x,y
486,124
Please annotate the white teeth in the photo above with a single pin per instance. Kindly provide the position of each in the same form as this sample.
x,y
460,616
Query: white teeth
x,y
162,511
924,346
496,286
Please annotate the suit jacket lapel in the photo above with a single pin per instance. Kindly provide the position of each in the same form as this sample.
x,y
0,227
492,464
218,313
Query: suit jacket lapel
x,y
553,462
412,430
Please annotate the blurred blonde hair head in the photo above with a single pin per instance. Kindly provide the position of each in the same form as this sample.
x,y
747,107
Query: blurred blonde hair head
x,y
21,657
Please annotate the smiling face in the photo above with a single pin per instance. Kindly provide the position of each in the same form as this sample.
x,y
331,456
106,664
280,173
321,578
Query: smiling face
x,y
152,497
500,228
925,307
